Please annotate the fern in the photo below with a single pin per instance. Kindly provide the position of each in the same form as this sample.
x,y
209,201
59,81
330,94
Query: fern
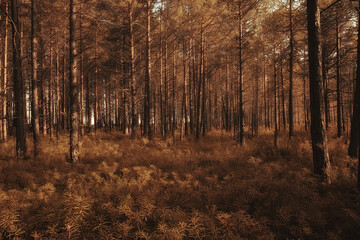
x,y
10,224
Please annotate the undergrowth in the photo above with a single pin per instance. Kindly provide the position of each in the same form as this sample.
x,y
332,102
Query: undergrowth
x,y
211,189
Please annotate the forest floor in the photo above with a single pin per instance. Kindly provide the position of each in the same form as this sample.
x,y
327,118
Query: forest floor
x,y
210,189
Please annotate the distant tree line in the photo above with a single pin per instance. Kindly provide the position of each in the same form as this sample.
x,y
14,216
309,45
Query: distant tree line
x,y
179,68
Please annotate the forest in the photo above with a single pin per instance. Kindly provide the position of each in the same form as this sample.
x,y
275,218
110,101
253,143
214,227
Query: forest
x,y
179,119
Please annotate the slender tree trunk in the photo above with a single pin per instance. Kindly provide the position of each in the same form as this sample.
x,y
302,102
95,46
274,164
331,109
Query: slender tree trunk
x,y
50,93
191,112
74,88
81,122
166,102
203,79
276,133
132,74
283,98
64,94
108,107
162,114
42,91
185,95
1,78
23,72
117,98
88,104
304,92
353,150
326,95
291,57
241,110
318,134
58,110
34,82
265,95
162,128
147,105
4,87
338,79
173,94
227,114
199,86
96,103
18,84
124,82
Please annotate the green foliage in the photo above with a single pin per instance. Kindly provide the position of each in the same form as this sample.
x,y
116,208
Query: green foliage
x,y
213,189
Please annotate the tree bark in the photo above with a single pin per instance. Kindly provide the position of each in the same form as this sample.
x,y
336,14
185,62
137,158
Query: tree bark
x,y
241,110
132,73
173,127
185,95
50,93
18,84
166,101
96,104
58,110
283,98
325,84
74,88
34,82
338,79
147,105
318,135
4,121
291,57
353,150
265,97
42,90
198,99
276,133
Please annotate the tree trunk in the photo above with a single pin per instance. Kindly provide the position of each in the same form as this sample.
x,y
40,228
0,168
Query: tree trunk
x,y
353,150
283,99
64,93
241,110
304,92
185,95
81,75
203,79
23,72
4,121
318,135
18,84
291,57
276,133
132,73
199,86
58,110
74,88
108,107
227,115
166,102
191,112
96,103
147,105
338,78
34,82
88,104
50,93
42,91
326,95
173,94
264,97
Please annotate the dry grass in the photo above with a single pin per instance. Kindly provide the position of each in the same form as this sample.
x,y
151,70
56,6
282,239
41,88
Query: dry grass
x,y
212,189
